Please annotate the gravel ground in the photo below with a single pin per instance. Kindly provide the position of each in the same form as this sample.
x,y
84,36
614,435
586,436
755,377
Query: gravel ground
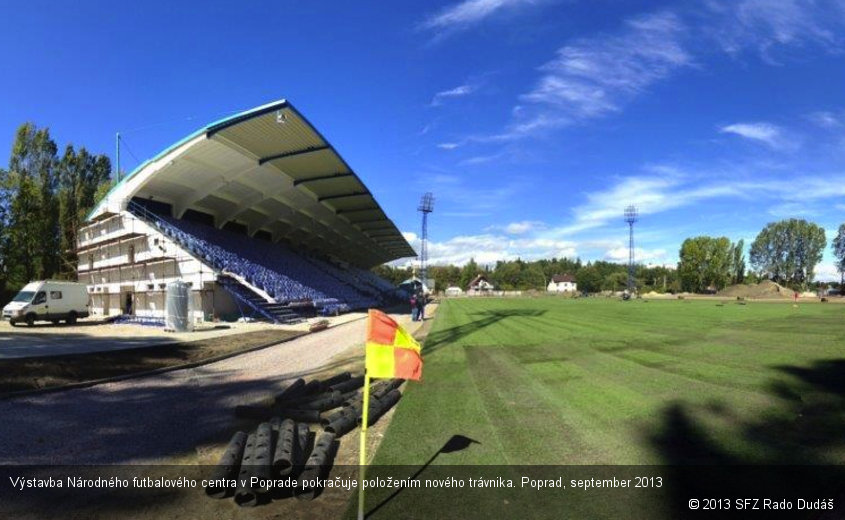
x,y
152,418
94,335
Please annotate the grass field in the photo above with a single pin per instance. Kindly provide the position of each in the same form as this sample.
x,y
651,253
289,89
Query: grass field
x,y
595,381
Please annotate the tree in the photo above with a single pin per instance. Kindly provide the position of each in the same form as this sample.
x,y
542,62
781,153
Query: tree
x,y
704,262
33,213
588,279
788,251
615,281
838,246
738,262
5,255
468,273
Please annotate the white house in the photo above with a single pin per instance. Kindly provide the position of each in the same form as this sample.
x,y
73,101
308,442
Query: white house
x,y
562,283
480,284
454,291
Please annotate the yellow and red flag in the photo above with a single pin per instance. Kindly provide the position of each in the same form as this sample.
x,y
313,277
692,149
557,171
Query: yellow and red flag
x,y
390,350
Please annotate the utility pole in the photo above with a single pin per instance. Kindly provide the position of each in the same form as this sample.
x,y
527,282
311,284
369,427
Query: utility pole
x,y
631,215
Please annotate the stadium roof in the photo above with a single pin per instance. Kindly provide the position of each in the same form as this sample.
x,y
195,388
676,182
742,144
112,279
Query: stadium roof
x,y
269,169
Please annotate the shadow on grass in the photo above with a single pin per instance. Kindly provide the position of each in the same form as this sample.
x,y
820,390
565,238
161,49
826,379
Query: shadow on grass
x,y
455,443
438,339
786,452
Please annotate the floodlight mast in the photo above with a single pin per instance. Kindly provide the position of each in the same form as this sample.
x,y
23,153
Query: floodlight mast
x,y
426,206
631,214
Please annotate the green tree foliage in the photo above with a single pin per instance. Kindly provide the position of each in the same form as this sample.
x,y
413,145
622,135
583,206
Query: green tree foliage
x,y
521,275
5,252
738,262
81,176
468,272
705,262
445,275
43,201
788,251
588,279
838,246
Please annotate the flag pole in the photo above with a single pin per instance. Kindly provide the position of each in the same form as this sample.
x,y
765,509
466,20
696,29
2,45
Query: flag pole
x,y
362,463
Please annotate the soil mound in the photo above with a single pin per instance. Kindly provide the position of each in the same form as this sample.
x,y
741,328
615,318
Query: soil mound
x,y
764,289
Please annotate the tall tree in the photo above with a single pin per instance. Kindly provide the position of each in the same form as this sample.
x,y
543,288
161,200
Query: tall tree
x,y
788,251
468,272
738,262
839,252
704,262
33,209
589,279
5,253
45,200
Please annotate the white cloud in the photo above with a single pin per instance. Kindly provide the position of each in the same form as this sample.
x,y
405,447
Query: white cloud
x,y
459,91
793,209
487,248
766,133
765,26
649,256
825,119
482,159
448,146
469,12
826,272
594,76
519,228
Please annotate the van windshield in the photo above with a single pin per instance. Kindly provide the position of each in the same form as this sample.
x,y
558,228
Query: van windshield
x,y
24,296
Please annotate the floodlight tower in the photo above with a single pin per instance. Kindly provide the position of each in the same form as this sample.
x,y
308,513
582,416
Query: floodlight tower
x,y
426,206
631,215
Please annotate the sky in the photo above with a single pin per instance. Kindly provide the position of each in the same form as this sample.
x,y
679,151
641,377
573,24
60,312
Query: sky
x,y
533,122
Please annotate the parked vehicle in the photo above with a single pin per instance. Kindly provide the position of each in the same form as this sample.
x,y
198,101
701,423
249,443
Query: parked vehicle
x,y
48,300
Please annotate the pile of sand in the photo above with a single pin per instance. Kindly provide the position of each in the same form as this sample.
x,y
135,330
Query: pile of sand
x,y
764,289
655,294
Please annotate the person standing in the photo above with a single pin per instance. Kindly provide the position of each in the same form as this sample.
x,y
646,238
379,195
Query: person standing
x,y
421,306
414,309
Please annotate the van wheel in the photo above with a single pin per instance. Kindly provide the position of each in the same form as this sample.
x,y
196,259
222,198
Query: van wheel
x,y
30,320
71,318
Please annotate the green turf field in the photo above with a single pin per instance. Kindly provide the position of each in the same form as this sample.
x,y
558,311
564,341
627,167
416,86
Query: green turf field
x,y
698,389
601,381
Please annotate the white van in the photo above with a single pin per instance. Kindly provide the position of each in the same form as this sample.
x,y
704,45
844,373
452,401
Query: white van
x,y
49,300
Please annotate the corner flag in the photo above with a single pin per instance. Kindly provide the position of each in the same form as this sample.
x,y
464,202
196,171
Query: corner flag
x,y
391,351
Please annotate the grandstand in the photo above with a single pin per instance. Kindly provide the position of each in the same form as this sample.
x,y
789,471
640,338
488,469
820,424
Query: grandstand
x,y
257,212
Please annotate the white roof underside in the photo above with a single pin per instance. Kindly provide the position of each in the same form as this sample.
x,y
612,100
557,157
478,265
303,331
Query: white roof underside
x,y
281,177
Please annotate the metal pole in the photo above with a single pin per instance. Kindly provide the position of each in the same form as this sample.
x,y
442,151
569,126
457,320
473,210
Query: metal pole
x,y
362,468
117,155
631,257
424,250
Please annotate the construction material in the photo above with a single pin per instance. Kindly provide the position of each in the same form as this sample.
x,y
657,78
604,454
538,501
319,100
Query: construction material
x,y
295,389
309,416
323,402
349,384
378,407
228,466
262,455
244,495
339,378
316,465
343,421
283,456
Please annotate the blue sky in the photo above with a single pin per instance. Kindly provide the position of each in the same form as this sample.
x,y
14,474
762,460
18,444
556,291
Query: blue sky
x,y
534,122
